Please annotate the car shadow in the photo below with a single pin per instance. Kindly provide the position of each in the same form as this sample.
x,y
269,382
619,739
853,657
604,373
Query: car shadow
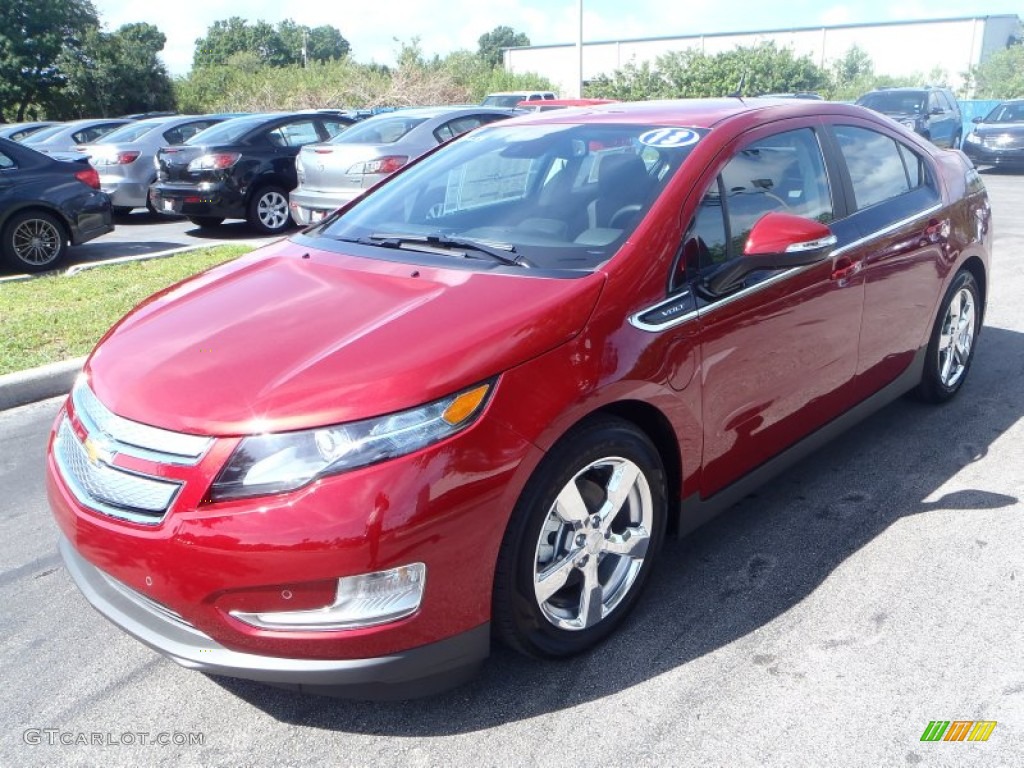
x,y
739,572
232,230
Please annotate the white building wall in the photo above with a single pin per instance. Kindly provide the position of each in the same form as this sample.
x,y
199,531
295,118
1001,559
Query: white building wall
x,y
897,49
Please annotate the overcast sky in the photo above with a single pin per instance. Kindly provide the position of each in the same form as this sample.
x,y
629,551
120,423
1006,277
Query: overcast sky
x,y
371,27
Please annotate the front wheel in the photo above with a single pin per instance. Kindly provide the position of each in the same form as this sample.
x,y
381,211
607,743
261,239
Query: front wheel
x,y
582,541
268,211
951,347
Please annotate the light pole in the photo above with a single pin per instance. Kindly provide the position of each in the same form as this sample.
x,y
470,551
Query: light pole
x,y
579,49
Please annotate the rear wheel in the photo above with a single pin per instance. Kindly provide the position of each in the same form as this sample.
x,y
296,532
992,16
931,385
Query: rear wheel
x,y
206,221
268,211
33,241
582,540
951,347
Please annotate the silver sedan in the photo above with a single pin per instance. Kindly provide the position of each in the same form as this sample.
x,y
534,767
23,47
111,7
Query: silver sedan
x,y
340,170
66,137
124,157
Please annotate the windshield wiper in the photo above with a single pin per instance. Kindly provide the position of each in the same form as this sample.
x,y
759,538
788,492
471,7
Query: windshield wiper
x,y
497,251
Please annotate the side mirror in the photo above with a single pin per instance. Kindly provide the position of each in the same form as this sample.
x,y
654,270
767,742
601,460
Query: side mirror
x,y
977,119
777,241
938,111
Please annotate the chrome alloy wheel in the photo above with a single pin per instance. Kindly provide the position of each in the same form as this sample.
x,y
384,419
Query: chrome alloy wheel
x,y
956,338
272,210
36,242
593,543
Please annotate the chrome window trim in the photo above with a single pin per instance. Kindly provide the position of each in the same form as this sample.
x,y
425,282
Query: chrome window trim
x,y
132,438
636,322
86,499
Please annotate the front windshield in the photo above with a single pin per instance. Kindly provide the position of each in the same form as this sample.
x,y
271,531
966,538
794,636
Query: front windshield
x,y
1006,113
378,130
40,136
130,132
557,196
895,102
227,132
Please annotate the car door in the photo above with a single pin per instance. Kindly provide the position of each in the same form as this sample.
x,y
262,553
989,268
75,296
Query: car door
x,y
940,120
287,138
896,206
779,354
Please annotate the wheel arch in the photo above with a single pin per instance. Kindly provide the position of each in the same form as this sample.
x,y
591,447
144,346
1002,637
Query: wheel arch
x,y
34,205
976,267
261,182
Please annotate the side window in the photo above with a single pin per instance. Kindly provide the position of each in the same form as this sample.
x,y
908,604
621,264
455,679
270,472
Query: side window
x,y
456,127
876,165
934,103
6,162
182,133
784,172
334,127
707,241
294,134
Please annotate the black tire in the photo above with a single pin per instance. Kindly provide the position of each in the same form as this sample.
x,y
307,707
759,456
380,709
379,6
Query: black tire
x,y
947,362
956,141
206,221
34,241
541,627
268,211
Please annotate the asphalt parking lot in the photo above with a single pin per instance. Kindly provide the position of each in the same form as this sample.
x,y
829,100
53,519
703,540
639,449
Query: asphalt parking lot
x,y
822,622
142,233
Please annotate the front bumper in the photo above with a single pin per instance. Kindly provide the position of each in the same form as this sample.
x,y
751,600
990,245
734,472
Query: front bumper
x,y
982,155
309,207
416,672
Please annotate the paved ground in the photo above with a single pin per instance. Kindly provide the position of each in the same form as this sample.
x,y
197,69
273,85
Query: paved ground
x,y
823,622
143,232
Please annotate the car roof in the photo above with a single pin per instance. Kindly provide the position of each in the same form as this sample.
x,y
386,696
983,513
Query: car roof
x,y
692,113
444,110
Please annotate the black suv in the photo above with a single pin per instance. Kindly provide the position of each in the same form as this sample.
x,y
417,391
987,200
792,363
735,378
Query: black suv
x,y
240,169
930,111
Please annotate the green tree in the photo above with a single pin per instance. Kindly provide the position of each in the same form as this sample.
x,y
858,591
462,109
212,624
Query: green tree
x,y
114,74
491,44
33,35
1001,76
690,73
279,46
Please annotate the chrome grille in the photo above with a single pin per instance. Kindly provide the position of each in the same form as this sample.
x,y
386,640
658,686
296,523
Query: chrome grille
x,y
1005,141
107,489
133,438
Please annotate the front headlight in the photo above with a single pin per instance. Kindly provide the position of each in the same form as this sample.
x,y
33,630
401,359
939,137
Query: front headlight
x,y
910,123
973,138
285,461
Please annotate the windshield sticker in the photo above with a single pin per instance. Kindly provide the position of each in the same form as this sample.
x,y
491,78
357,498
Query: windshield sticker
x,y
669,137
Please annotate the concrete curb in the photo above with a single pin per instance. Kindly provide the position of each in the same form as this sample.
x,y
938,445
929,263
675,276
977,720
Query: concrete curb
x,y
23,387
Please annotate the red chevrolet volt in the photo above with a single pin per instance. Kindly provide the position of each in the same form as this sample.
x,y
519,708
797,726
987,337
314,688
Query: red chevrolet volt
x,y
471,403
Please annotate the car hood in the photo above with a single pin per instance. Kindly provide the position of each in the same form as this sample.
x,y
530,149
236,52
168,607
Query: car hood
x,y
290,337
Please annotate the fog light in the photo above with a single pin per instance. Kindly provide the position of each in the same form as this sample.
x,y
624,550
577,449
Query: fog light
x,y
361,601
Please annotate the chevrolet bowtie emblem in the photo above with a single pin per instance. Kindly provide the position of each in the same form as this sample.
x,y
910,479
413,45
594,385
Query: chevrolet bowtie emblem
x,y
92,451
96,452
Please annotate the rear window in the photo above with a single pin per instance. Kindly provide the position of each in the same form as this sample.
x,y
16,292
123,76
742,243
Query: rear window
x,y
378,130
129,132
1006,113
895,102
227,132
40,136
